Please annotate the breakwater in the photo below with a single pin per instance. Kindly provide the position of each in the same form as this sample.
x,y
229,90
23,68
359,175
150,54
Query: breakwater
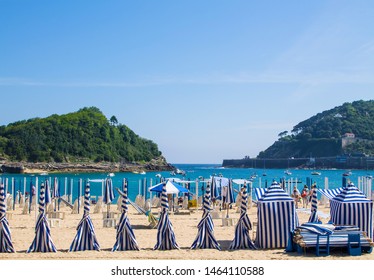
x,y
338,162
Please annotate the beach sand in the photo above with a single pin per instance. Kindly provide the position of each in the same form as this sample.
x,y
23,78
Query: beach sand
x,y
185,227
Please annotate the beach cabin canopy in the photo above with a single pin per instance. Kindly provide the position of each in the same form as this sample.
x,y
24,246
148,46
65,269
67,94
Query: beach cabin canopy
x,y
352,208
330,194
277,218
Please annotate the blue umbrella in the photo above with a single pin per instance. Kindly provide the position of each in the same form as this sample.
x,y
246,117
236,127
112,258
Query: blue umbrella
x,y
125,239
171,188
6,245
43,241
314,216
85,238
108,194
242,239
205,237
165,232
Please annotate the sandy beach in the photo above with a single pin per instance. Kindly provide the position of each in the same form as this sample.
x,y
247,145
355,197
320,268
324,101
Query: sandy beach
x,y
22,228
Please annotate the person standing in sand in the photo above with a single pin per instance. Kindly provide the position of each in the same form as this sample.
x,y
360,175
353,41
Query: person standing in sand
x,y
296,196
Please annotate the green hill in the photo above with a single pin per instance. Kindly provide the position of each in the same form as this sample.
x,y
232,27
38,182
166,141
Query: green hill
x,y
86,135
344,129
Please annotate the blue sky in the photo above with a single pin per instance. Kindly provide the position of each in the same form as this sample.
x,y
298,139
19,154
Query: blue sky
x,y
205,80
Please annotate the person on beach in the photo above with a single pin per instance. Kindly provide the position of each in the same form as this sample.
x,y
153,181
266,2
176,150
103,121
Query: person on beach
x,y
304,196
296,196
224,195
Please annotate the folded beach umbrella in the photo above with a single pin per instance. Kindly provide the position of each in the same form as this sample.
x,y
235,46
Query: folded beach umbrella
x,y
85,238
6,245
352,208
55,191
108,194
244,225
205,237
125,239
48,197
165,232
215,192
43,240
314,216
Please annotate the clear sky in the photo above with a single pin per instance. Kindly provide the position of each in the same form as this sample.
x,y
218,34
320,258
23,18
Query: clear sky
x,y
205,80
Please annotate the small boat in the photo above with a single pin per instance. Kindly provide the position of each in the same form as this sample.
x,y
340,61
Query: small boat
x,y
44,174
346,174
287,172
111,175
316,173
142,173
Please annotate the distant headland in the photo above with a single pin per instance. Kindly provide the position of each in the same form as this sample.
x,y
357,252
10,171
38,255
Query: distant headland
x,y
342,137
82,141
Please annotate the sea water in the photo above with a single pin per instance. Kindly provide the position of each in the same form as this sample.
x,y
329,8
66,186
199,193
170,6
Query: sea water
x,y
72,184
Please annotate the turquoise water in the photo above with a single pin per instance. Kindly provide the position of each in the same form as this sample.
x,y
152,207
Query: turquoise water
x,y
69,183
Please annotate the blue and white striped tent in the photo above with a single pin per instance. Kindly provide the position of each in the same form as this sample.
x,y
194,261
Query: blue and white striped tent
x,y
352,208
43,240
330,193
125,239
215,191
85,238
242,239
165,232
314,206
277,218
259,192
6,245
205,237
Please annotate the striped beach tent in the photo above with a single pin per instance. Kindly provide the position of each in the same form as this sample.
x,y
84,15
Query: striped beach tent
x,y
43,240
352,208
125,239
314,206
165,232
242,239
277,218
259,192
85,238
330,193
205,237
6,245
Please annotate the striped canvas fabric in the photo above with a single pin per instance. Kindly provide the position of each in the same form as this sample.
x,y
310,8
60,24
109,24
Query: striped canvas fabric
x,y
108,192
205,238
314,206
259,192
6,245
330,194
85,238
277,218
352,208
43,240
242,239
125,239
165,232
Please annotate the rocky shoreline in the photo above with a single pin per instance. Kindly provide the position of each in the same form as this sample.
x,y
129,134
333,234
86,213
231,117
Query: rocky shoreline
x,y
158,164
